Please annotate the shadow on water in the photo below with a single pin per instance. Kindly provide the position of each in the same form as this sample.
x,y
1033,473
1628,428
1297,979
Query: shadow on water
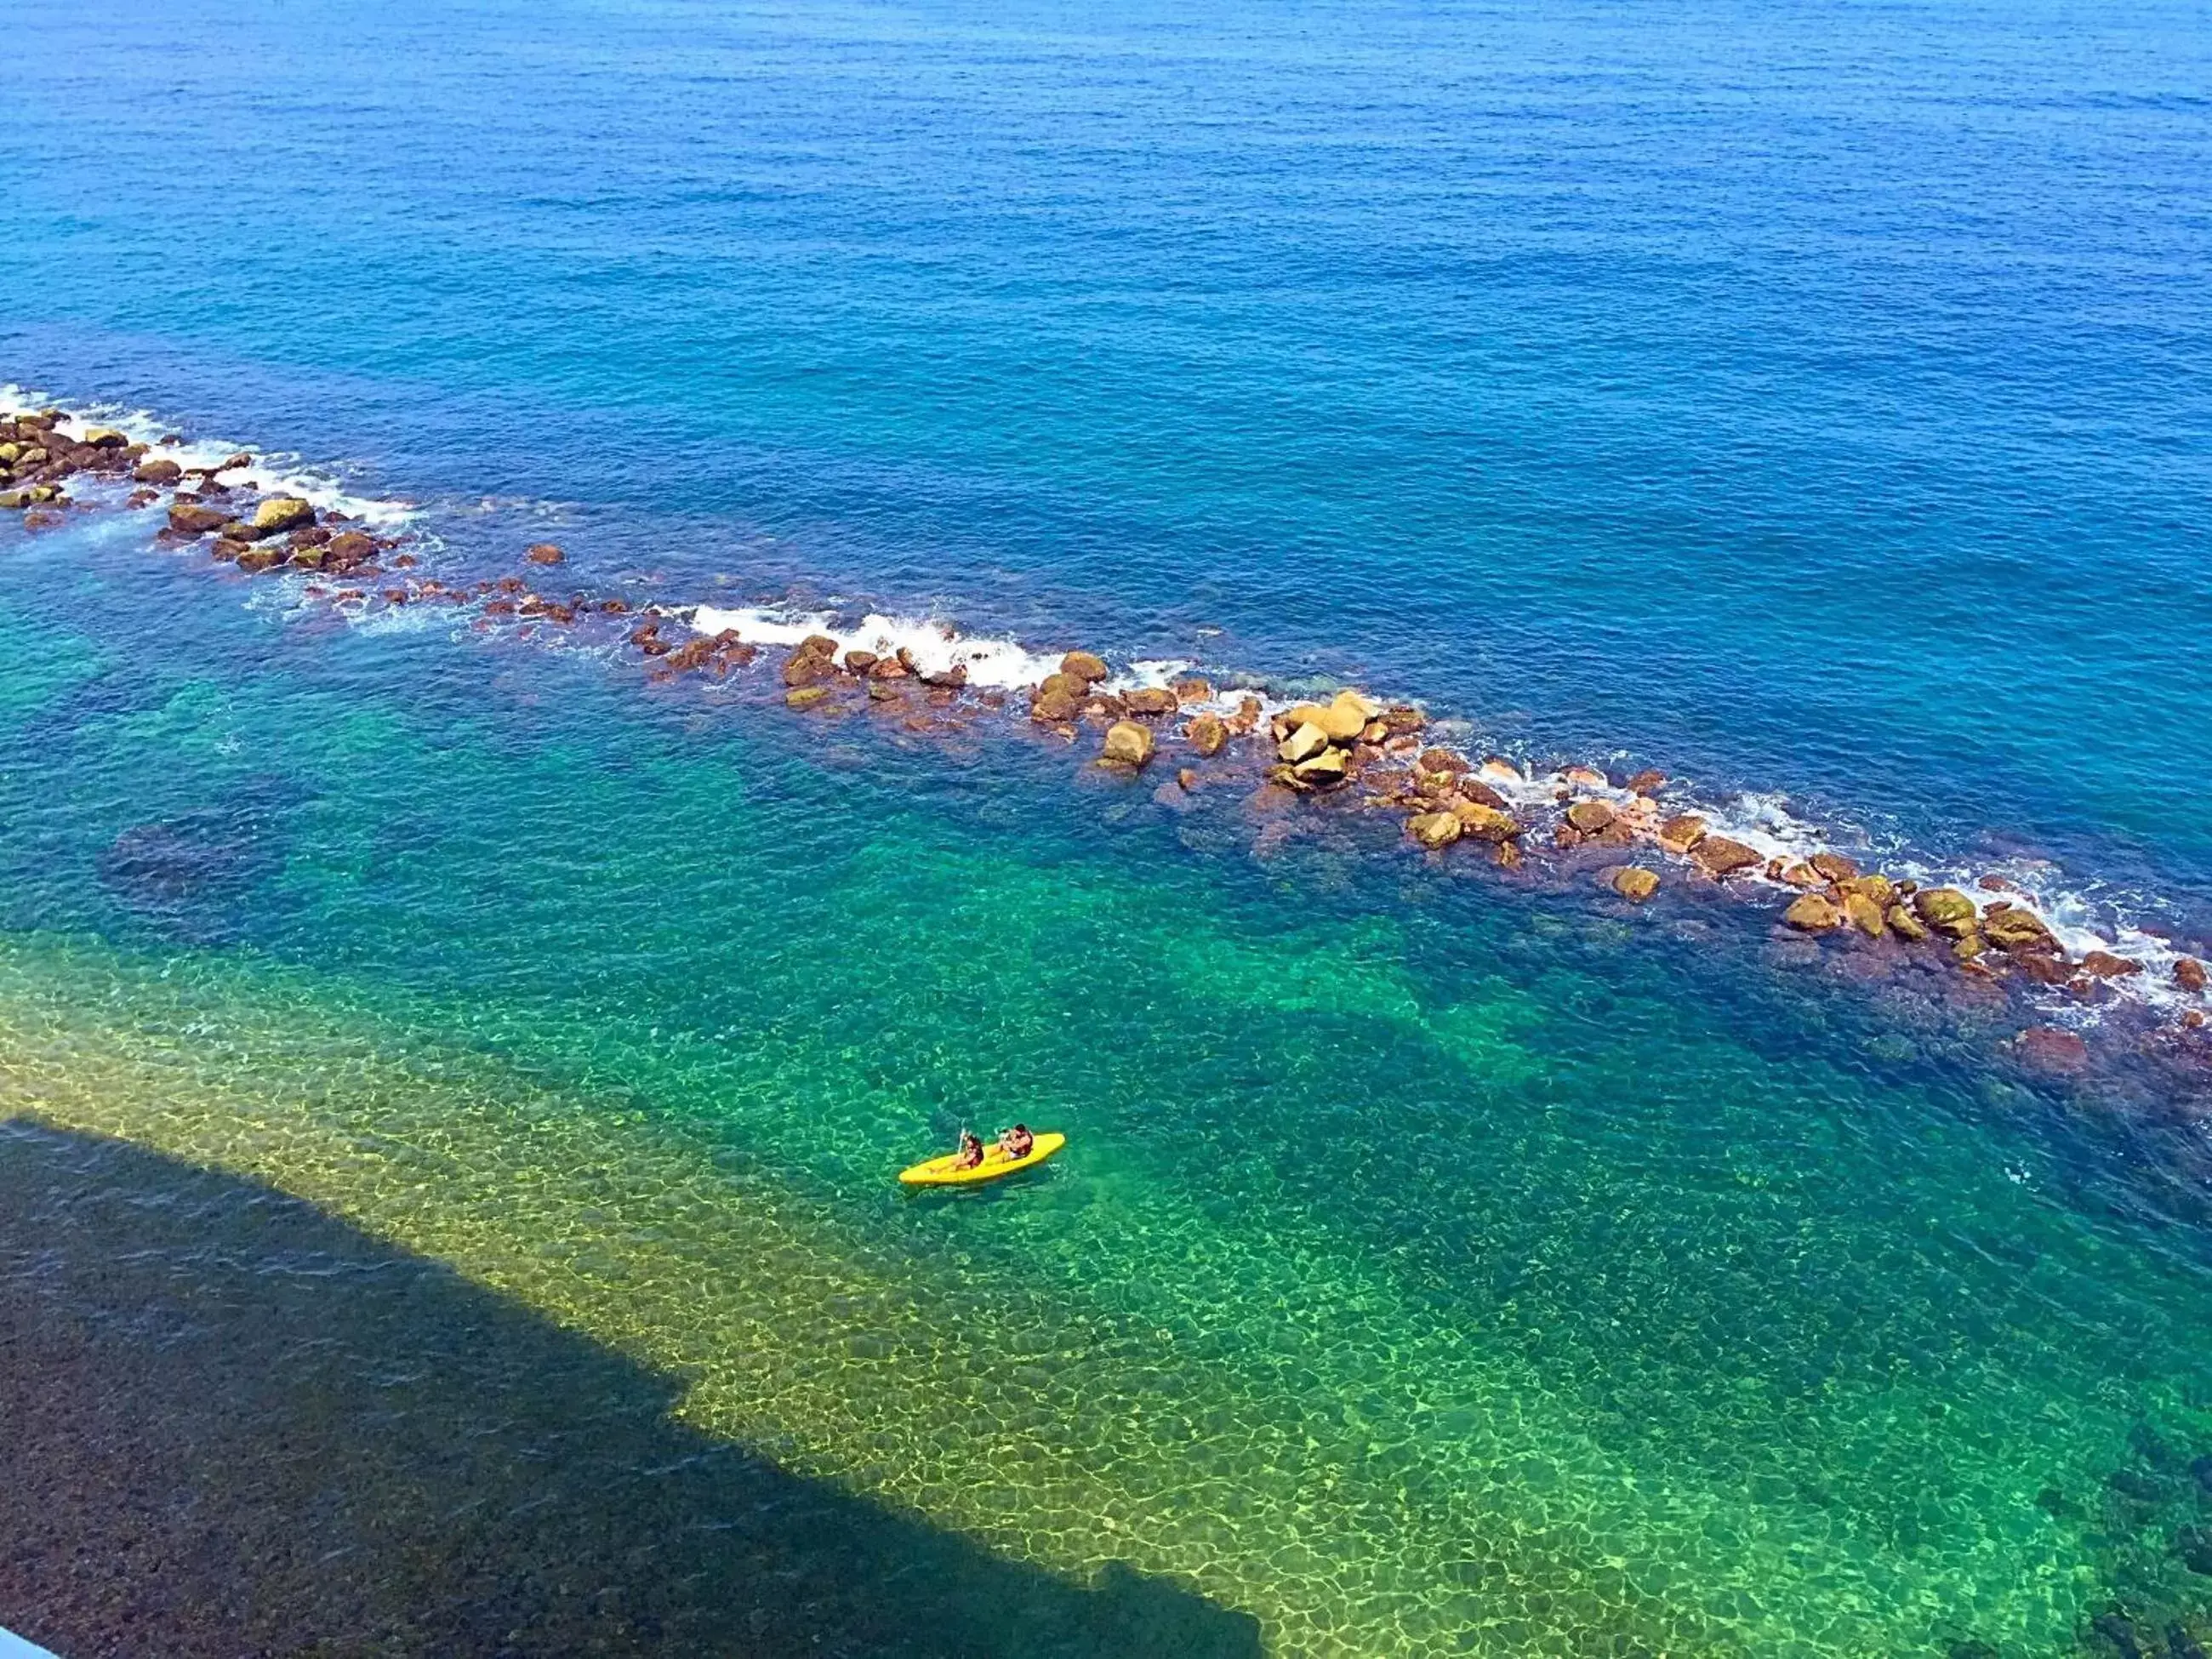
x,y
230,1425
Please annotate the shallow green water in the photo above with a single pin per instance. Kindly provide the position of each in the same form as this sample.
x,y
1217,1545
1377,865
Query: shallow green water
x,y
1432,1269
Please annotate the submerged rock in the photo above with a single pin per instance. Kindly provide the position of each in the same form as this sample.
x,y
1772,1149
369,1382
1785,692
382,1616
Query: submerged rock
x,y
2189,974
544,553
2051,1049
1649,781
1127,744
2103,965
805,696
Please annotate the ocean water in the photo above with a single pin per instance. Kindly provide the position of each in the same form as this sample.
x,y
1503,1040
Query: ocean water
x,y
1810,401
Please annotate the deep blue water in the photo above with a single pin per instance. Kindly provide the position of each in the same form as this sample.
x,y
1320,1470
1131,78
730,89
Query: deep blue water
x,y
1806,398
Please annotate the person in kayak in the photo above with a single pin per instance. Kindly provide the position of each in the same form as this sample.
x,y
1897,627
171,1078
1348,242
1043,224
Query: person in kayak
x,y
1017,1142
971,1150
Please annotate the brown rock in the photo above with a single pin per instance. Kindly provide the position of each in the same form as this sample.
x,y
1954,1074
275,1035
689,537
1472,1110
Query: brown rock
x,y
1592,818
1635,884
1208,735
192,518
2042,967
860,662
1723,857
1876,888
1809,913
2050,1049
1442,760
1681,834
1327,767
1649,781
1192,690
1435,830
2103,965
1904,924
890,668
1485,822
1566,837
950,679
1306,741
160,470
1403,720
1072,685
349,548
1506,855
256,559
2189,974
228,548
1865,915
1084,665
805,696
1054,708
1154,701
1946,909
1834,866
280,513
1482,794
1127,744
1186,780
1798,874
544,553
2017,931
807,666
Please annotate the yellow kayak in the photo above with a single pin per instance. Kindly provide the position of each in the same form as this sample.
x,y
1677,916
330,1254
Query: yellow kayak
x,y
939,1171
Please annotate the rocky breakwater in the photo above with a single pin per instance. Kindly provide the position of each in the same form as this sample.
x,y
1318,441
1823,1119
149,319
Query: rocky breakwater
x,y
40,457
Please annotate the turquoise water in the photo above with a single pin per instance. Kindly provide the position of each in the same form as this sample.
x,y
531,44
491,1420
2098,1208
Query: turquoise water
x,y
1809,401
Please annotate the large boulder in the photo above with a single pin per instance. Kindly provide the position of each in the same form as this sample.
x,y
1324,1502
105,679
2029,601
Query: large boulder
x,y
2189,974
1191,689
1328,766
1721,857
348,549
1592,818
1903,923
1879,889
1635,884
1304,743
1208,735
1834,866
1682,832
1052,707
159,471
1482,794
2104,964
1065,685
1084,666
1946,909
1127,744
1865,915
1485,822
1811,912
2018,930
1157,700
195,517
804,667
1435,830
1442,760
280,513
544,553
1649,781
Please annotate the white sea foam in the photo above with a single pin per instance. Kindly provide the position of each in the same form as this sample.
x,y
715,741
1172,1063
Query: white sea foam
x,y
270,474
937,647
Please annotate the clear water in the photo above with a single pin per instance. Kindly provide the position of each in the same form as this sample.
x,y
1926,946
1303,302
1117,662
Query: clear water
x,y
1810,400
